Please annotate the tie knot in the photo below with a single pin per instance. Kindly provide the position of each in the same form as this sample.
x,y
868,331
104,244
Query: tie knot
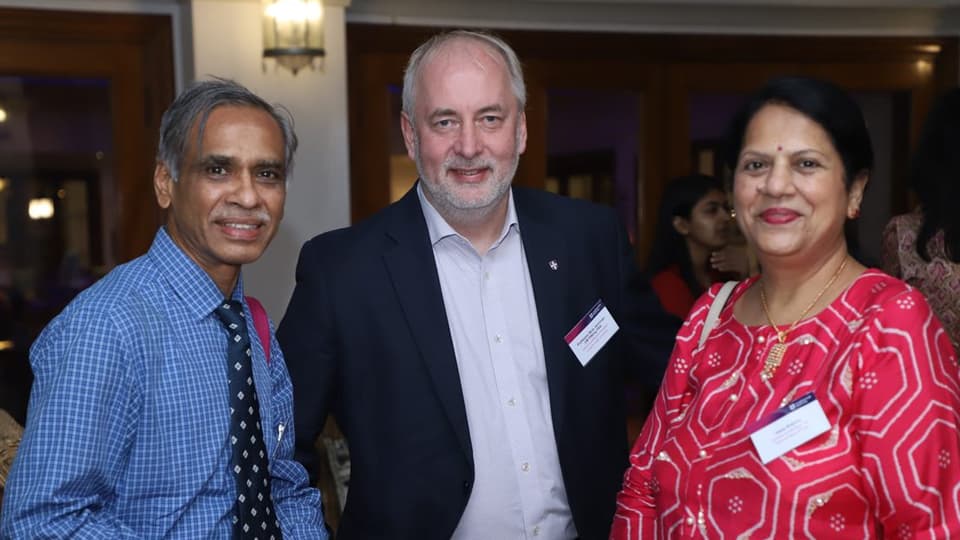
x,y
230,313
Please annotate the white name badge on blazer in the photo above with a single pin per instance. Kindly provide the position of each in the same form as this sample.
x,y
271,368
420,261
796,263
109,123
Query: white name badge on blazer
x,y
788,427
591,333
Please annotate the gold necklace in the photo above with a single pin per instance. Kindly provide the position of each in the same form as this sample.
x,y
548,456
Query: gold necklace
x,y
779,348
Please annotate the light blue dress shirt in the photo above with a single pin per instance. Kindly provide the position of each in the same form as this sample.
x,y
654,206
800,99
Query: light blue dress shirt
x,y
518,491
126,434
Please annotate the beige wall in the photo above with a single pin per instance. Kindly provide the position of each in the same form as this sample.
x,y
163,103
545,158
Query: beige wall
x,y
226,42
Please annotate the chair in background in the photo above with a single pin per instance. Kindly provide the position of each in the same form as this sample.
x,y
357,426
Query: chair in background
x,y
10,433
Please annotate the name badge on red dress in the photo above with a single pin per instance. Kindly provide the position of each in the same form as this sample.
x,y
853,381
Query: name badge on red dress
x,y
788,427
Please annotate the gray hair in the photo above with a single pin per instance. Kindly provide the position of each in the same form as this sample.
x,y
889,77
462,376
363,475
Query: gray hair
x,y
426,51
195,104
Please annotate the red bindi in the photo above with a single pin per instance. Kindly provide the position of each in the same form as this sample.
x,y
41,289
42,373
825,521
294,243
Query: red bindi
x,y
779,148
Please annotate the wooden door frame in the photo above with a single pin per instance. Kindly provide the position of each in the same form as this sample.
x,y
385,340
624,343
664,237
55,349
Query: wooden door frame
x,y
133,52
665,69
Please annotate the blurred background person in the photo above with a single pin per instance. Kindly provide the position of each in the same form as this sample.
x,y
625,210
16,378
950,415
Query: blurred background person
x,y
825,396
691,248
923,247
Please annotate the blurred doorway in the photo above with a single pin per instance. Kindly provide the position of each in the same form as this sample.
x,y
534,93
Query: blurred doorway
x,y
593,147
80,101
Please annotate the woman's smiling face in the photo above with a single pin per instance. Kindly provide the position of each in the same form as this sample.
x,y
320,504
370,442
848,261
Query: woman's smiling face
x,y
789,190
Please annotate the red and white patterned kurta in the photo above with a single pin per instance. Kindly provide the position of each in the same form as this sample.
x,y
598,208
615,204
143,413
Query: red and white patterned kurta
x,y
886,375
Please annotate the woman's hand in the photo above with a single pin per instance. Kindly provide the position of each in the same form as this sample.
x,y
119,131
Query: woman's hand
x,y
731,259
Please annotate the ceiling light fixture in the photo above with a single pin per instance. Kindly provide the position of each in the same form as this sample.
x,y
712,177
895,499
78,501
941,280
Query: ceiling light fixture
x,y
293,33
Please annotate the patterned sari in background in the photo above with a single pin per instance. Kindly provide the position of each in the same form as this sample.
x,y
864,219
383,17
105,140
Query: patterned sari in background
x,y
938,280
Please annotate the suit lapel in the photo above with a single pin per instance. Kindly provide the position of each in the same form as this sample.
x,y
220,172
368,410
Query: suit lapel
x,y
549,266
411,266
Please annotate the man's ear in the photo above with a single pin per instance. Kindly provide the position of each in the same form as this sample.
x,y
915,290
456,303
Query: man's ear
x,y
522,133
163,185
681,225
409,135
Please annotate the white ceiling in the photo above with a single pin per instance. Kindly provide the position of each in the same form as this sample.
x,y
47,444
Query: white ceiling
x,y
789,17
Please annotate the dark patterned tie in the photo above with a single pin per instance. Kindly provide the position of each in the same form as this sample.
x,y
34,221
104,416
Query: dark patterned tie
x,y
254,516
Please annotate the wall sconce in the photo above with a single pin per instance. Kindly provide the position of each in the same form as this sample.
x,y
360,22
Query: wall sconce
x,y
41,208
293,33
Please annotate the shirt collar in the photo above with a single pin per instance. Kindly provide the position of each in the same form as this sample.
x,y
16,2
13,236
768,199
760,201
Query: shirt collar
x,y
192,285
438,228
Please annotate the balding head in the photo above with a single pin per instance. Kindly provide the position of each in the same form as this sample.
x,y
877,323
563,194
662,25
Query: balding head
x,y
446,43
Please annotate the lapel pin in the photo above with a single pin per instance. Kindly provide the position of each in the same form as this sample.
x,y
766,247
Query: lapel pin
x,y
553,264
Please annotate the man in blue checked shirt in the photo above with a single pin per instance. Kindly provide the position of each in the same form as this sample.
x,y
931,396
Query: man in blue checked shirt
x,y
135,429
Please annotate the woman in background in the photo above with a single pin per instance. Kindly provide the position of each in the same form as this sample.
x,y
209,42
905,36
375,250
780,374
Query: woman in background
x,y
823,398
693,230
923,247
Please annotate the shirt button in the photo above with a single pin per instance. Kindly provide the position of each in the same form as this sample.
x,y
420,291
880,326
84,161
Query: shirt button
x,y
498,338
525,467
511,402
689,520
703,453
733,397
761,339
486,275
536,531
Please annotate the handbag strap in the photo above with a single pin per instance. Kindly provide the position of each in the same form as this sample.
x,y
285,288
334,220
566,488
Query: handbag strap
x,y
715,308
261,323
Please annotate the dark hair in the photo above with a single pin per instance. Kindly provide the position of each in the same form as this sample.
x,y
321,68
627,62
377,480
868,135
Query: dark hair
x,y
669,247
934,172
824,103
195,104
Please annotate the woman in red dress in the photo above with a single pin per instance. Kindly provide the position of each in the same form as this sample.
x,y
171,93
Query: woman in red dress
x,y
824,401
693,223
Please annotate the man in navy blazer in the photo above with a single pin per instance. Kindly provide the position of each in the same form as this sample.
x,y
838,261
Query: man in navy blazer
x,y
437,331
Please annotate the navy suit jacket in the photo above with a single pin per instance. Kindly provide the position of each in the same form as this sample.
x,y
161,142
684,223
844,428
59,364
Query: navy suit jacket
x,y
366,338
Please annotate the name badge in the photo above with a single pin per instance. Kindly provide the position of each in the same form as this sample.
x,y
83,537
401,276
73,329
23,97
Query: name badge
x,y
788,427
591,333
